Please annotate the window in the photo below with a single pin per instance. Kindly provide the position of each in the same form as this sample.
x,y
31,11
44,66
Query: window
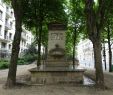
x,y
10,35
11,13
9,46
6,21
3,45
11,24
24,43
7,9
5,35
1,15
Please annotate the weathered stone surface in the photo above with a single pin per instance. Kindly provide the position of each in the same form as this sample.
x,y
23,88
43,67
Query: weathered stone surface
x,y
56,68
56,76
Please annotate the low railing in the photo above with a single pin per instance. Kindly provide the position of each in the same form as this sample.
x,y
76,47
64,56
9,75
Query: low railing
x,y
8,13
5,53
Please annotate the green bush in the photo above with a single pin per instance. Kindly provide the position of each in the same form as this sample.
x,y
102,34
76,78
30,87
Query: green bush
x,y
112,67
27,59
30,58
4,64
21,62
3,60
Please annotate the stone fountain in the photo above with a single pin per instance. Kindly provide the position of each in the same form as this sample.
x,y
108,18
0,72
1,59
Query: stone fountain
x,y
56,69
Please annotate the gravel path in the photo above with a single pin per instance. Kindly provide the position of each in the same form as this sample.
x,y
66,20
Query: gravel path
x,y
55,90
21,70
108,77
59,89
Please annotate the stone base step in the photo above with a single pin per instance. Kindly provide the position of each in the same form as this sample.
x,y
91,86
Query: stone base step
x,y
57,63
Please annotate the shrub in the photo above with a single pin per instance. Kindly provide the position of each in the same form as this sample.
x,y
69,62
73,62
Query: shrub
x,y
4,64
21,61
112,67
27,59
30,58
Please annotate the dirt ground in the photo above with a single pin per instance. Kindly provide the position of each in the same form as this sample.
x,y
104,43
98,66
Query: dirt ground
x,y
54,90
59,89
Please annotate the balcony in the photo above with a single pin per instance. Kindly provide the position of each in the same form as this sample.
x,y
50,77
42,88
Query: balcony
x,y
4,53
6,39
10,39
8,14
7,26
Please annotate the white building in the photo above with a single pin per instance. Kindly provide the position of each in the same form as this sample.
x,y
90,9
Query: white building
x,y
7,31
26,40
85,54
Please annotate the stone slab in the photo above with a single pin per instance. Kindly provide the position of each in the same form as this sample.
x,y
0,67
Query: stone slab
x,y
52,76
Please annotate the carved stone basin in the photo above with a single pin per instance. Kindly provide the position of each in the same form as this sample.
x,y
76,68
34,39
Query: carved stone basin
x,y
57,52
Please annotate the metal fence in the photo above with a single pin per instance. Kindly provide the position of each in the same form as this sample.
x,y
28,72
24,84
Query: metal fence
x,y
5,54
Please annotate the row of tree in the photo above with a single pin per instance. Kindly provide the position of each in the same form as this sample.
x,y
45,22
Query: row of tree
x,y
35,15
92,19
89,18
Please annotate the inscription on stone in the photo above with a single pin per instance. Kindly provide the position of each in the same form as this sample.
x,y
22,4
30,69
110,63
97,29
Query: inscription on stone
x,y
56,36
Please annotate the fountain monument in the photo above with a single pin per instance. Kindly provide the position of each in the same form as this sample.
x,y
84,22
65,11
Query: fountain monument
x,y
56,68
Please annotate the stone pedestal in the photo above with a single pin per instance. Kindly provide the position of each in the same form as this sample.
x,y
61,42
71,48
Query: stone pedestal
x,y
56,68
52,76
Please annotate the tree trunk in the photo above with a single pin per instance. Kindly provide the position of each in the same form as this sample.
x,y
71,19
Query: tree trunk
x,y
39,44
74,41
110,52
93,28
40,32
104,54
98,63
46,52
11,80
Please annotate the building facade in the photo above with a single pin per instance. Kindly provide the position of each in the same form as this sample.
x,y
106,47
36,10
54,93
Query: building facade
x,y
7,31
85,54
26,39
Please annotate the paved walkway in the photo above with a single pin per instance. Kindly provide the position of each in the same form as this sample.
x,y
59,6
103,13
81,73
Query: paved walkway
x,y
108,77
61,89
21,70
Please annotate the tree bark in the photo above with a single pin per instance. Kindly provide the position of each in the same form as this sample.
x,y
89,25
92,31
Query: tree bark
x,y
46,48
98,63
93,30
74,41
39,44
104,54
109,47
40,32
11,80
